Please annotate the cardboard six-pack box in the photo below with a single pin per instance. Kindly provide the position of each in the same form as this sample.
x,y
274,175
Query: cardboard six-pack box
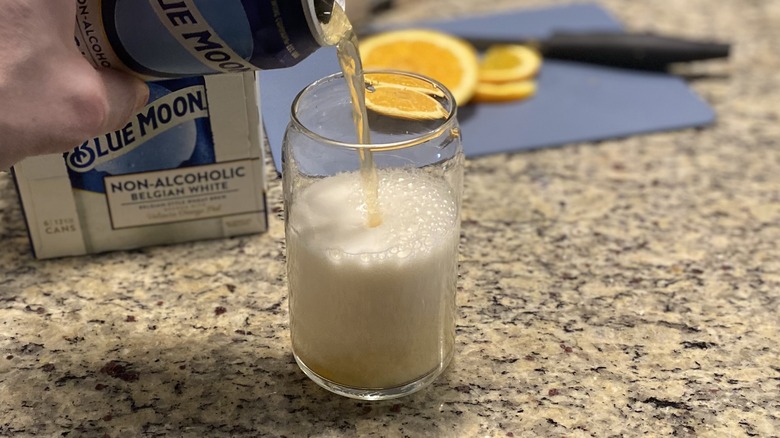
x,y
188,167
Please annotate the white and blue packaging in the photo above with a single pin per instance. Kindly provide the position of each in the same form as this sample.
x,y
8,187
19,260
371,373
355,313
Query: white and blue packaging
x,y
188,166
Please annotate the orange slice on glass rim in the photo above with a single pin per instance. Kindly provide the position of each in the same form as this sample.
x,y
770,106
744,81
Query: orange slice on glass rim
x,y
403,81
438,55
404,103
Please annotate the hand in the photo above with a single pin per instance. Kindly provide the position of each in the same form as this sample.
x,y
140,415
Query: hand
x,y
51,98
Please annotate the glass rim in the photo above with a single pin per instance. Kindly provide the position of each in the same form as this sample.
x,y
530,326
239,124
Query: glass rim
x,y
401,144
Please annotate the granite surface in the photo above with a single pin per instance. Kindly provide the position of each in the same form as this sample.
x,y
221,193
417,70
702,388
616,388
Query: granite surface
x,y
625,288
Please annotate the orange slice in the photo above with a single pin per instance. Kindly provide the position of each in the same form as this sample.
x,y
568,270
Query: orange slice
x,y
488,92
404,103
401,81
441,56
512,62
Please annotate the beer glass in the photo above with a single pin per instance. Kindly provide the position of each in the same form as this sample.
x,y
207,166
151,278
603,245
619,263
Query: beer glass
x,y
372,305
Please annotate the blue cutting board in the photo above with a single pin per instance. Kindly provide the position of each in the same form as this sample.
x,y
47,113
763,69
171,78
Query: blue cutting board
x,y
575,102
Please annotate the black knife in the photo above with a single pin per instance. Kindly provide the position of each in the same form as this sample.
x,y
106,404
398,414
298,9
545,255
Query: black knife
x,y
640,51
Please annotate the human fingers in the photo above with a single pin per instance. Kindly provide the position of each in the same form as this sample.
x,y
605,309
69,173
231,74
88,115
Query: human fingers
x,y
125,95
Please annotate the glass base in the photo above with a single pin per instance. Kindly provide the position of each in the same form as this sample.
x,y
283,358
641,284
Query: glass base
x,y
374,393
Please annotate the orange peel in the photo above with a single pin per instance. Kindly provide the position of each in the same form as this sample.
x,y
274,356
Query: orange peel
x,y
507,91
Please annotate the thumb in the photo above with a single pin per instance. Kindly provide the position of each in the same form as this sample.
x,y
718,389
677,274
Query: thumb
x,y
126,96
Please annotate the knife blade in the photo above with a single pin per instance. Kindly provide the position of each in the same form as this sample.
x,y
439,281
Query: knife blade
x,y
640,51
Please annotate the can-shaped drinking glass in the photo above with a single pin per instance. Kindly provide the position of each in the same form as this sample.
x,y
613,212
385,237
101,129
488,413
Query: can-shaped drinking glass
x,y
372,300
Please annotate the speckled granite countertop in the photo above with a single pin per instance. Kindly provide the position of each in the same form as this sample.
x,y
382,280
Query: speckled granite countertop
x,y
624,288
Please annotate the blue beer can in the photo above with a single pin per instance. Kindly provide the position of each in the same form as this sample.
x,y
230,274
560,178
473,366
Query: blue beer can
x,y
159,39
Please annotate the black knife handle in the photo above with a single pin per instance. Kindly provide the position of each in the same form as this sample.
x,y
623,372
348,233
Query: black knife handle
x,y
635,51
